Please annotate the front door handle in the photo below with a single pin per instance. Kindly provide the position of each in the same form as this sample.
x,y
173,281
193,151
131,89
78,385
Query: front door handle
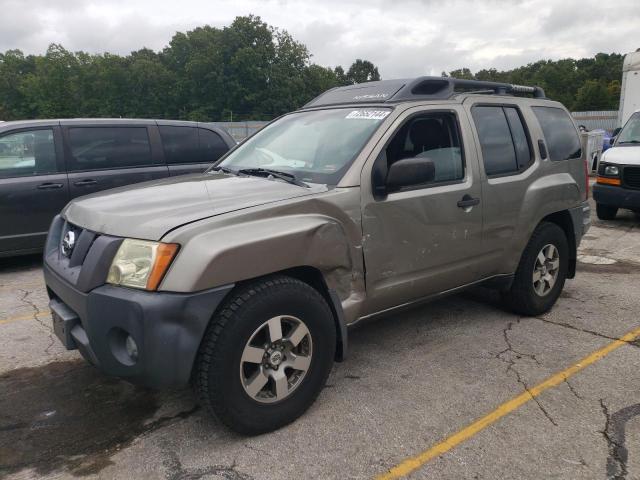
x,y
49,186
82,183
468,201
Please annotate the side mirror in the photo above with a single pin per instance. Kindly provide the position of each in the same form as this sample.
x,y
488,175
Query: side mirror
x,y
616,132
410,171
612,140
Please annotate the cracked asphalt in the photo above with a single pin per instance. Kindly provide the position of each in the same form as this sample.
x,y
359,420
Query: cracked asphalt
x,y
411,381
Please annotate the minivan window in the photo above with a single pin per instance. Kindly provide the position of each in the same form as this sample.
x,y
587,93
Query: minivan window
x,y
559,132
498,149
630,134
180,144
316,146
30,152
212,147
98,148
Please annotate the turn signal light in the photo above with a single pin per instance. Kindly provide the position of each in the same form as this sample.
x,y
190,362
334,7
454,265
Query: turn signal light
x,y
608,181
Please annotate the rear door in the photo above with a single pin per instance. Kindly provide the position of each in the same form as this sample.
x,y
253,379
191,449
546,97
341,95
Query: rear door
x,y
33,186
190,149
99,157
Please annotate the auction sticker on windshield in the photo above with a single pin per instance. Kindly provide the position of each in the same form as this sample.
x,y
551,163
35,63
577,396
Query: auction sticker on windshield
x,y
367,114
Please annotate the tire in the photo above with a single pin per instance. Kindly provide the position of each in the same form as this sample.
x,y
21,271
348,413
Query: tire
x,y
606,212
244,323
524,296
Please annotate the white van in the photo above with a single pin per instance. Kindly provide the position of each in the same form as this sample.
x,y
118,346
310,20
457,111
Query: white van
x,y
618,181
630,91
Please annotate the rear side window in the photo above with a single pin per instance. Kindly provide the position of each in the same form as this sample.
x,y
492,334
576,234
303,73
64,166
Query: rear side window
x,y
212,147
503,139
26,153
180,144
98,148
559,132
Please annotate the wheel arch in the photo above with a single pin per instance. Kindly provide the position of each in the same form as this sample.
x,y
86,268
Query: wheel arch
x,y
313,277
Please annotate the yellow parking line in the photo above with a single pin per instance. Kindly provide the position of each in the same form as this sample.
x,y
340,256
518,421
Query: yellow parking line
x,y
413,463
19,318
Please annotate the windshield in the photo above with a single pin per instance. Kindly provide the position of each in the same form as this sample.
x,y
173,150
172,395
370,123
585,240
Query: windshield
x,y
630,134
316,146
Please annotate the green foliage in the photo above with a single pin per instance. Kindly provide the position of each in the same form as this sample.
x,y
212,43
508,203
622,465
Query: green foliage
x,y
247,70
584,84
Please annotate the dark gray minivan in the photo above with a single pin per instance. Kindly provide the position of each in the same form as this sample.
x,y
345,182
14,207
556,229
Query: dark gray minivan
x,y
46,163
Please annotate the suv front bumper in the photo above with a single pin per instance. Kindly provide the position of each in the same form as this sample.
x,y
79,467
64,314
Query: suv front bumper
x,y
616,196
167,328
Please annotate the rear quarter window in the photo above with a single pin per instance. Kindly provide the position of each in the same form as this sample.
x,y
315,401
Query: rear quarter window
x,y
559,132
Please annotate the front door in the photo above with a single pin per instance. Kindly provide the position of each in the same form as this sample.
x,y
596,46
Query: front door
x,y
424,239
33,187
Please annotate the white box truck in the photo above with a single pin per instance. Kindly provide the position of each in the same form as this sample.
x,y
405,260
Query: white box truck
x,y
630,93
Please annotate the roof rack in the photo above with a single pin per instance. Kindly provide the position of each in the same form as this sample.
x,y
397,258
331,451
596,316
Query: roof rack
x,y
421,88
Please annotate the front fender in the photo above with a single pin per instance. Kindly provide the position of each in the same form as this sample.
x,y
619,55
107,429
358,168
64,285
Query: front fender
x,y
258,247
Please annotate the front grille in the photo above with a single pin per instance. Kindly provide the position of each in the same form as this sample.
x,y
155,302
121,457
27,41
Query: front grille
x,y
631,177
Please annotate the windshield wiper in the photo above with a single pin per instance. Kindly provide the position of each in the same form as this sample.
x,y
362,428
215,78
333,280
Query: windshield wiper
x,y
224,170
287,177
629,141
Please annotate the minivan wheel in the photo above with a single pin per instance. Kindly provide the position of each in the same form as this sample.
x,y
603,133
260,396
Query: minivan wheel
x,y
266,355
541,273
606,212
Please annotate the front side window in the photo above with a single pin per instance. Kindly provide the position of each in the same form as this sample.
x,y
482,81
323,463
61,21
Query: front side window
x,y
559,132
99,148
630,134
434,136
180,144
316,146
29,152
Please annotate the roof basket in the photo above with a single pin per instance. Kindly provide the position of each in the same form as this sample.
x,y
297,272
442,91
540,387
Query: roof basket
x,y
421,88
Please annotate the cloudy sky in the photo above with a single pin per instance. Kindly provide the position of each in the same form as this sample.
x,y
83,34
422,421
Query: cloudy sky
x,y
402,37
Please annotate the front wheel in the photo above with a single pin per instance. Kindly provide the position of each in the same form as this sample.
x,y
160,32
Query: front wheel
x,y
266,355
606,212
541,273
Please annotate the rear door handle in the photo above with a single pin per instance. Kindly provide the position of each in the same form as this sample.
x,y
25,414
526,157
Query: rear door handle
x,y
82,183
468,201
49,186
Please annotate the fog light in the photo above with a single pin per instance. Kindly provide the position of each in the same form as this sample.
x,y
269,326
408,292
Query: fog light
x,y
132,348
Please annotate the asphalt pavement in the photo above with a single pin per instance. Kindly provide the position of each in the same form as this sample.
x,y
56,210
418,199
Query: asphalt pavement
x,y
458,389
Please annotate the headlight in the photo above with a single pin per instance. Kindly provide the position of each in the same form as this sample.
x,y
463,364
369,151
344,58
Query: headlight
x,y
141,264
611,170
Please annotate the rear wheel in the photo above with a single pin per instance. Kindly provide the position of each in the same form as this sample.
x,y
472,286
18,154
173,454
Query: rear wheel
x,y
606,212
266,355
541,273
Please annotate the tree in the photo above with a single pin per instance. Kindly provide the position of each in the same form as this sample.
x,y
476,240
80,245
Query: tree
x,y
362,71
593,95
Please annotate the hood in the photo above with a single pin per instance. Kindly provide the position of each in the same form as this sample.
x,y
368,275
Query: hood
x,y
629,155
149,210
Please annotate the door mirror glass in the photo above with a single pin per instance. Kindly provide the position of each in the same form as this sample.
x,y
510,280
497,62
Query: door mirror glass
x,y
616,132
409,172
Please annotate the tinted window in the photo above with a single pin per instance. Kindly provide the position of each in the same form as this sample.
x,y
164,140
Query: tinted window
x,y
212,147
434,136
559,132
27,153
180,144
498,151
519,136
97,148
